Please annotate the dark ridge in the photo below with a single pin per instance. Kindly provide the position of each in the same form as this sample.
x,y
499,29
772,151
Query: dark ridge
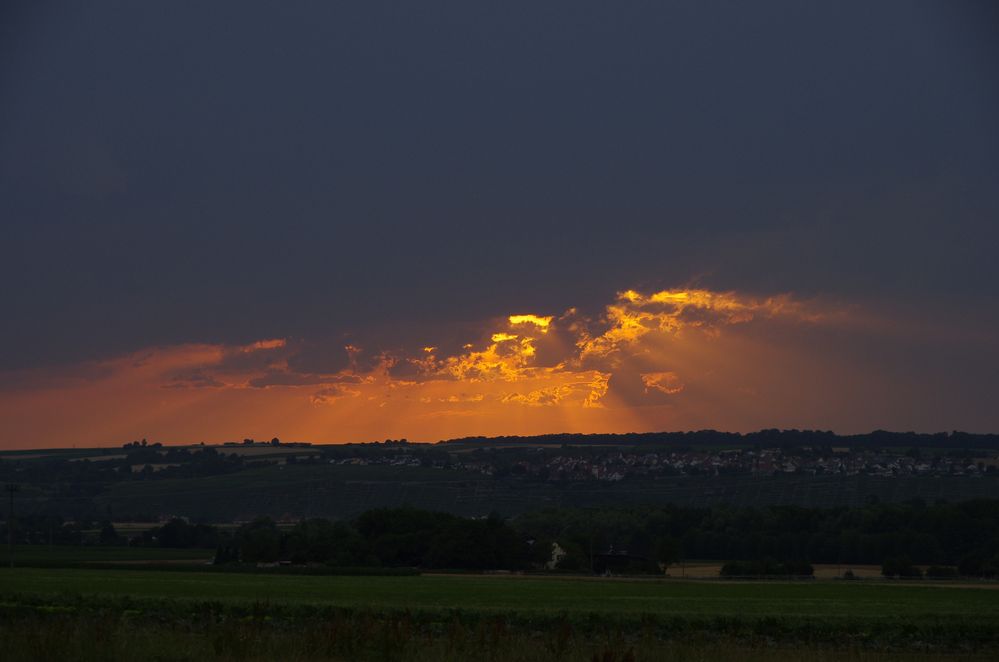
x,y
769,438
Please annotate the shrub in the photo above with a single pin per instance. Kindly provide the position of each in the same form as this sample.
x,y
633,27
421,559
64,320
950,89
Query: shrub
x,y
767,567
941,572
979,566
901,567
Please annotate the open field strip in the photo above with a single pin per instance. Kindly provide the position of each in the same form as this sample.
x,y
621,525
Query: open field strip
x,y
523,594
105,614
36,554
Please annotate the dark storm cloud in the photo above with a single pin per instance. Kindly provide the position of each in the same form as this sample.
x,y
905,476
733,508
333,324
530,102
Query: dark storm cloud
x,y
194,379
289,378
275,362
329,357
224,172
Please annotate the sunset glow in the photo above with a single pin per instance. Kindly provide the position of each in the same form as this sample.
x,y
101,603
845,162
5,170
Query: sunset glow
x,y
647,361
667,359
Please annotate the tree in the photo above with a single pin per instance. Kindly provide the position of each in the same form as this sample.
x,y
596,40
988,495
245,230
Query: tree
x,y
109,536
175,533
900,566
941,572
977,565
259,541
225,554
667,551
321,541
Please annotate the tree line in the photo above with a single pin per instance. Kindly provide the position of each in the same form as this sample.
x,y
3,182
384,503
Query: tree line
x,y
963,537
767,438
386,538
963,534
952,538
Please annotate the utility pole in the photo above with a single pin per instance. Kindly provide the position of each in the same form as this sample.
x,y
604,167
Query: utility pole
x,y
11,489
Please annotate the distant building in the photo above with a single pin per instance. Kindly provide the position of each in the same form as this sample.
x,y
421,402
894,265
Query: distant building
x,y
557,555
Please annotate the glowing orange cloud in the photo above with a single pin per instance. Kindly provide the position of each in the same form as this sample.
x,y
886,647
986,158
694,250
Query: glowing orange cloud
x,y
646,361
664,382
635,315
540,322
273,343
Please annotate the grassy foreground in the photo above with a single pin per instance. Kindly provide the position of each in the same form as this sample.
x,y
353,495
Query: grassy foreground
x,y
125,614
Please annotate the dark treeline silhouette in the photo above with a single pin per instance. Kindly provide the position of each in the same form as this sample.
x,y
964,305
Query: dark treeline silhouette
x,y
85,477
964,534
388,537
954,538
771,438
179,534
767,568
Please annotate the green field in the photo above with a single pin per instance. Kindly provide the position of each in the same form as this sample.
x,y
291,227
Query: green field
x,y
49,613
526,594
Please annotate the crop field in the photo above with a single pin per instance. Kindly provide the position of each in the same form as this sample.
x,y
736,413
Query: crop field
x,y
528,594
236,616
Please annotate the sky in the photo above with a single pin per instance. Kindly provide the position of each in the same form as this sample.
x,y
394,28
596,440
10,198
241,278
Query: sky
x,y
334,222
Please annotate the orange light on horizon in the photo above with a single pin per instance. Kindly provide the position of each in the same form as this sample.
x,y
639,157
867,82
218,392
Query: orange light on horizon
x,y
534,374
